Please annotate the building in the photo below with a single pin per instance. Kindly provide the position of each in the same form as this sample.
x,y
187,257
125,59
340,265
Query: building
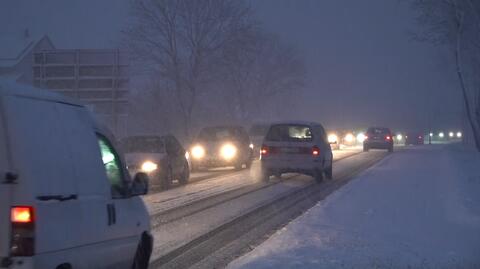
x,y
98,77
16,54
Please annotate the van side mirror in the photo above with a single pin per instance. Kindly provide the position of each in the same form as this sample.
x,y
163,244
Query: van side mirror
x,y
140,184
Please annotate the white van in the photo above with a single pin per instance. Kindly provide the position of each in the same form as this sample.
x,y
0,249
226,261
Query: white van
x,y
66,199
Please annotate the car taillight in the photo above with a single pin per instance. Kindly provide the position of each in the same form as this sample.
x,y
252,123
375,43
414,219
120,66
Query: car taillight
x,y
315,151
420,137
365,138
388,137
264,150
23,231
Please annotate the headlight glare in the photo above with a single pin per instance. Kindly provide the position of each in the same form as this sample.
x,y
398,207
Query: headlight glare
x,y
228,151
149,166
198,152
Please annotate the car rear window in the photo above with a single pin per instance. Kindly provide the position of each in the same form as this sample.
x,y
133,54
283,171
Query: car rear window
x,y
378,131
143,145
289,133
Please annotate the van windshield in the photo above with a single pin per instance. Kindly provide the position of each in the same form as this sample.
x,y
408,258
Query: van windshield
x,y
143,144
290,133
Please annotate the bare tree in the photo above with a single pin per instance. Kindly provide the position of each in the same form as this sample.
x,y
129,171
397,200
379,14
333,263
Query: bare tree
x,y
456,23
258,72
181,42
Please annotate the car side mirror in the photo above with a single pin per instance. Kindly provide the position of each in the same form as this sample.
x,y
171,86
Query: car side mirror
x,y
140,184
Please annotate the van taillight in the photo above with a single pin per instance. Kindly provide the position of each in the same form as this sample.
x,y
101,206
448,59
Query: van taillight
x,y
315,151
23,231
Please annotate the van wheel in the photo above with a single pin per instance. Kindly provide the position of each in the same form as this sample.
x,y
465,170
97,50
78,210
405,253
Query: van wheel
x,y
318,175
167,179
185,174
144,250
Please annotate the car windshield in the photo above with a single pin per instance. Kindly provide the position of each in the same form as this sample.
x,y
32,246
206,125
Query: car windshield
x,y
289,133
216,134
142,145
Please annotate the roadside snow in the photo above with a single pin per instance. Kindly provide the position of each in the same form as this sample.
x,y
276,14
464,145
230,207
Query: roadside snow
x,y
418,208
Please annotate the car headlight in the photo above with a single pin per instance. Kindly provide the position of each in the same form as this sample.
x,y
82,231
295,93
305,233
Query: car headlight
x,y
332,138
399,137
360,137
198,152
228,151
149,166
349,138
251,146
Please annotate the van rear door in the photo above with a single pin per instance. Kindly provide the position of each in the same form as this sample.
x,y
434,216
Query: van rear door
x,y
5,192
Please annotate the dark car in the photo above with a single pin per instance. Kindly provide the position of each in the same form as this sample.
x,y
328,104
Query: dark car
x,y
414,138
162,157
221,146
378,138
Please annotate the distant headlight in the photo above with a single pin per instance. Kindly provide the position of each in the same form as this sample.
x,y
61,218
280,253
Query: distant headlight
x,y
459,134
228,151
349,138
360,137
332,138
198,152
251,146
149,166
399,137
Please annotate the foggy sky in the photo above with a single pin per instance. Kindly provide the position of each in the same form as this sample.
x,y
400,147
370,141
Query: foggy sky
x,y
363,68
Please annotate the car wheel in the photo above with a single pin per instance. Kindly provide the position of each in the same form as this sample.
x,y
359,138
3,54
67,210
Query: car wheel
x,y
365,148
249,163
185,174
265,175
329,172
238,166
318,175
143,253
167,179
390,149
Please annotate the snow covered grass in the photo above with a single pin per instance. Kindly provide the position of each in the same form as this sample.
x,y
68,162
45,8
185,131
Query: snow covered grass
x,y
417,208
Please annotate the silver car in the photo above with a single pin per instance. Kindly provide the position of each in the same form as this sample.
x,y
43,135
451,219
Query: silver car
x,y
296,147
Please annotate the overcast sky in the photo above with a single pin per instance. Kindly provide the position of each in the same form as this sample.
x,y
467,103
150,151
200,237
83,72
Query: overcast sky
x,y
363,68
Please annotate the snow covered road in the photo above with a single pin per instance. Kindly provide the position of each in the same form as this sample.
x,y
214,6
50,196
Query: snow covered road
x,y
417,208
171,235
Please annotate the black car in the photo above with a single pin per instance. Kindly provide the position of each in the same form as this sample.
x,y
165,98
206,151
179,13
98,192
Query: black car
x,y
414,138
161,157
221,146
378,138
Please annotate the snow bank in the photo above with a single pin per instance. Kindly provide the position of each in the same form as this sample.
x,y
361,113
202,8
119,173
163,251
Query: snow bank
x,y
417,208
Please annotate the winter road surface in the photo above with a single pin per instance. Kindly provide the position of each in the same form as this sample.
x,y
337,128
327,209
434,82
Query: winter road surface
x,y
188,222
417,208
